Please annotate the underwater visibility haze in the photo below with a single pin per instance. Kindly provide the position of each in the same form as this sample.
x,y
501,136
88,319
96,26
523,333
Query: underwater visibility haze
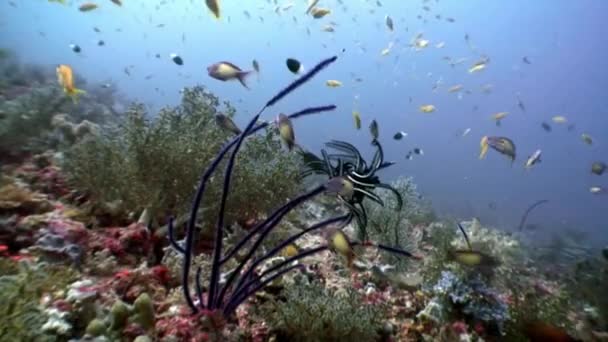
x,y
303,170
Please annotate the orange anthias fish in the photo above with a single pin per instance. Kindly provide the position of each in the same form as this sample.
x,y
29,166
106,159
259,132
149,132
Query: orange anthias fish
x,y
65,77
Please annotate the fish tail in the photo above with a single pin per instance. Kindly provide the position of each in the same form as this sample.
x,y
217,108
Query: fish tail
x,y
242,76
75,93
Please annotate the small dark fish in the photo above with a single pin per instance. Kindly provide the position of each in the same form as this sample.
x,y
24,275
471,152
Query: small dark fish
x,y
75,48
96,29
492,205
157,55
389,23
399,135
450,20
256,66
546,126
214,7
416,150
526,60
520,104
176,59
571,127
531,226
227,124
598,168
294,65
539,331
101,43
373,129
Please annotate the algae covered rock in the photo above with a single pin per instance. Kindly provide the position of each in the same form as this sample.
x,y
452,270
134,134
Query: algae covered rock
x,y
119,314
96,328
143,311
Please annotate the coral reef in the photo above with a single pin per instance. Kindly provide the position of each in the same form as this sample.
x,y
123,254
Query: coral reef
x,y
310,312
473,298
153,163
402,228
20,292
258,262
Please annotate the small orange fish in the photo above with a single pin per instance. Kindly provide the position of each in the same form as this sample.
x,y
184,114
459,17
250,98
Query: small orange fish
x,y
65,77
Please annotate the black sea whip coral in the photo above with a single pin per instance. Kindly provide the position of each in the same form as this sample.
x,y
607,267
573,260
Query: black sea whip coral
x,y
243,282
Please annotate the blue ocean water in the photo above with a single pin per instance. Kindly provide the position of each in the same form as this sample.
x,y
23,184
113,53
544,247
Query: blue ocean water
x,y
563,40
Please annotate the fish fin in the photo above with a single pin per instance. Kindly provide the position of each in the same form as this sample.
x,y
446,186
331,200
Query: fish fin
x,y
75,93
242,76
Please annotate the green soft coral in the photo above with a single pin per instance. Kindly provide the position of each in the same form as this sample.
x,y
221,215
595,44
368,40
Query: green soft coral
x,y
156,163
20,292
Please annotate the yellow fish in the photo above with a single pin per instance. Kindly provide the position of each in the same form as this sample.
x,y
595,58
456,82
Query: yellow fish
x,y
65,77
477,67
333,83
339,243
357,118
427,108
500,115
483,144
559,119
318,12
472,258
214,7
421,43
286,131
290,250
455,88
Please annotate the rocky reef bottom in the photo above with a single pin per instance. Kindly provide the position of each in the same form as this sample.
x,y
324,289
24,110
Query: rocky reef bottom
x,y
61,279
